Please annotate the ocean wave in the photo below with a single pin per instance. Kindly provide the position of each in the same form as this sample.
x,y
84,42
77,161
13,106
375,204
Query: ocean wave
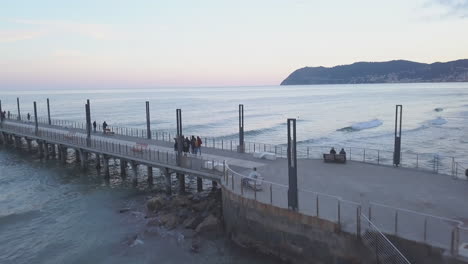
x,y
438,121
362,125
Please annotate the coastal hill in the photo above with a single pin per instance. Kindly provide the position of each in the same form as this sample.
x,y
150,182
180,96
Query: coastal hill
x,y
397,71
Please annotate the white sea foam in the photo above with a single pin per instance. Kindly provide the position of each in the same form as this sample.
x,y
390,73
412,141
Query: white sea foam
x,y
438,121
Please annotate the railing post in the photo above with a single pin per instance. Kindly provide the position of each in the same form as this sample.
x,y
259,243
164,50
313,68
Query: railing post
x,y
364,157
307,151
396,222
350,156
417,160
339,214
271,193
358,222
425,229
317,211
378,157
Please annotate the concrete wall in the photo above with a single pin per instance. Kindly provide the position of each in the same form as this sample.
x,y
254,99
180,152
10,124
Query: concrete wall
x,y
289,235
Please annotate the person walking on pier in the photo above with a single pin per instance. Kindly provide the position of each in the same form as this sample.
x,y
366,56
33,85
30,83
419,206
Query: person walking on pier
x,y
199,143
28,116
94,126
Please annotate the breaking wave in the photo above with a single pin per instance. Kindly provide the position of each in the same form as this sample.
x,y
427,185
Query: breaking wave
x,y
362,125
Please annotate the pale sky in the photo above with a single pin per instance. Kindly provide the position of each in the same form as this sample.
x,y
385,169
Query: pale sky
x,y
151,43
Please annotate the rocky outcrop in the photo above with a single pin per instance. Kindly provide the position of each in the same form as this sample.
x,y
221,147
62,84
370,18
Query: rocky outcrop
x,y
199,212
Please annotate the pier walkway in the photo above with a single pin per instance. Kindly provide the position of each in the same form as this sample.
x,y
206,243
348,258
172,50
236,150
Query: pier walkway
x,y
415,204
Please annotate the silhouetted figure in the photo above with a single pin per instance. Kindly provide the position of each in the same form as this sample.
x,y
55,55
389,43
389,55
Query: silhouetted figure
x,y
104,127
332,151
199,143
186,145
94,126
343,152
29,117
193,142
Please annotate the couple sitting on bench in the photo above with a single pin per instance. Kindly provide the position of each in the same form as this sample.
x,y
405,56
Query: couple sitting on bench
x,y
253,181
333,157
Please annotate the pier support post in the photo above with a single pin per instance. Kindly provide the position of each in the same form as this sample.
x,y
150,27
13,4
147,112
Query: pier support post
x,y
98,161
28,143
135,173
53,153
17,142
18,105
241,147
1,114
59,151
83,158
150,176
167,175
46,150
88,123
105,162
181,178
292,165
397,147
64,151
77,155
180,136
123,168
199,184
36,125
40,148
48,112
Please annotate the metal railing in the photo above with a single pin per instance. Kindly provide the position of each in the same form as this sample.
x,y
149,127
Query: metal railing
x,y
384,251
428,229
109,146
346,214
431,162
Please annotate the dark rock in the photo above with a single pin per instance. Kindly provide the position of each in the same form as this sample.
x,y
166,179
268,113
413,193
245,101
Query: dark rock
x,y
209,224
124,210
155,203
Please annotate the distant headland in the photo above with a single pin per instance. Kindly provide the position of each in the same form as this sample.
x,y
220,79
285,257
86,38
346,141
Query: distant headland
x,y
396,71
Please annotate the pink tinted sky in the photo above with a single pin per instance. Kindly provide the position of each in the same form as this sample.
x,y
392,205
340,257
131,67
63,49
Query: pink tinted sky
x,y
120,44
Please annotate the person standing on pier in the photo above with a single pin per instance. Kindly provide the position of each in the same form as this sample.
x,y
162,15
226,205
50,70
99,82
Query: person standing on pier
x,y
94,126
104,127
29,116
332,151
193,143
199,143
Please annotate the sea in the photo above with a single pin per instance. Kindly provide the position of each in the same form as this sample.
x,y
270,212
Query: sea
x,y
51,213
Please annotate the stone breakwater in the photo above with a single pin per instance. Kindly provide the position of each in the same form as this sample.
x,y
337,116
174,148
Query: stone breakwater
x,y
197,215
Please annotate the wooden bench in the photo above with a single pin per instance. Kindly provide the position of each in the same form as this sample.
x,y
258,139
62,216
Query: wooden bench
x,y
334,158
